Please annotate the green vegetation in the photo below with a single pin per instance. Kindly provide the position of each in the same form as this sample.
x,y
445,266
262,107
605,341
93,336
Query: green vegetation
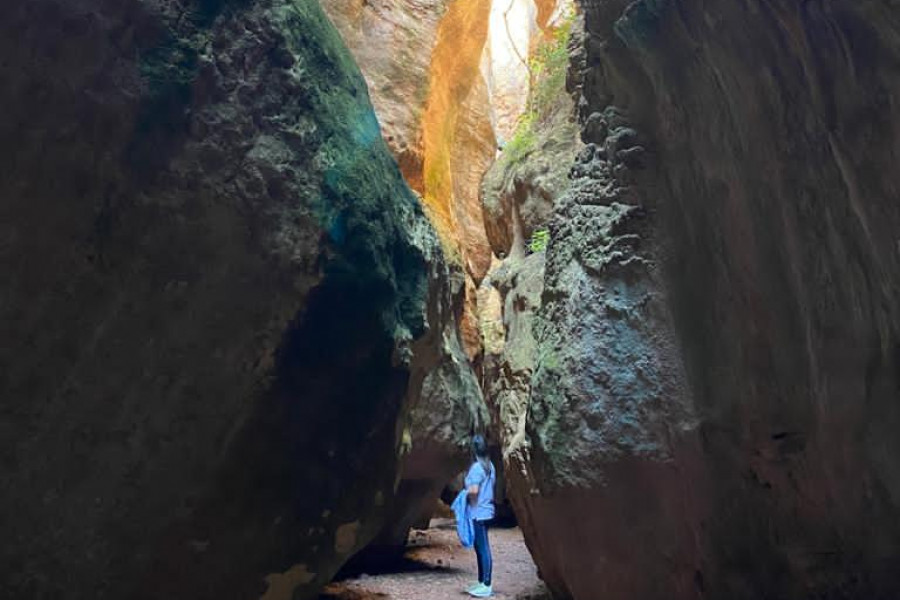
x,y
523,140
539,240
547,67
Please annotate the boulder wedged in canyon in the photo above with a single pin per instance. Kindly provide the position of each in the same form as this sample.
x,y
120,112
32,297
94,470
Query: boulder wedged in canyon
x,y
220,301
447,409
714,401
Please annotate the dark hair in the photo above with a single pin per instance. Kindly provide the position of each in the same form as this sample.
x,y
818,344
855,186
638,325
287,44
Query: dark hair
x,y
482,455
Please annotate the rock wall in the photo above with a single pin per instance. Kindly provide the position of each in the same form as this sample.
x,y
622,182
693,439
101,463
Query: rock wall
x,y
423,65
448,81
440,87
450,409
518,195
447,407
715,389
392,41
220,301
610,429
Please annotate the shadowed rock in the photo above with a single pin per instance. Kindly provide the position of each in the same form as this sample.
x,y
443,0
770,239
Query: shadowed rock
x,y
220,301
715,390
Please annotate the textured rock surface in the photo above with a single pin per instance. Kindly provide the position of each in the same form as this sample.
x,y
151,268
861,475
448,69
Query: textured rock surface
x,y
392,41
423,62
436,438
458,137
451,408
447,80
216,302
518,195
509,362
608,425
714,405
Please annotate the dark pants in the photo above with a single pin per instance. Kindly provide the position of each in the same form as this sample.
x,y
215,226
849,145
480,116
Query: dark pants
x,y
483,552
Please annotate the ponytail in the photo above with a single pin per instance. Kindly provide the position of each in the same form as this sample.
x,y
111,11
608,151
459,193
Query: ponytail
x,y
480,448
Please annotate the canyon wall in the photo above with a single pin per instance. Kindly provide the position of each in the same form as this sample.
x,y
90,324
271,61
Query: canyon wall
x,y
392,42
221,302
423,63
714,392
447,80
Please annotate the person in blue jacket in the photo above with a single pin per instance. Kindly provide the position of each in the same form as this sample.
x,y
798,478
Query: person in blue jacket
x,y
480,489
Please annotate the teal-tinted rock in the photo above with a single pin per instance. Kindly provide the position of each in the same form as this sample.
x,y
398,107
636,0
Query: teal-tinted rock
x,y
220,302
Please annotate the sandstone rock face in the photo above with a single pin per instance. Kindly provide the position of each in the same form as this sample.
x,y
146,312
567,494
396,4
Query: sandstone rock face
x,y
509,364
220,302
518,196
714,399
424,65
457,133
450,408
392,41
448,80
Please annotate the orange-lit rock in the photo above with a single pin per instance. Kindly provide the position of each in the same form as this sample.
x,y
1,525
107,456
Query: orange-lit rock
x,y
472,152
392,41
456,86
424,63
447,81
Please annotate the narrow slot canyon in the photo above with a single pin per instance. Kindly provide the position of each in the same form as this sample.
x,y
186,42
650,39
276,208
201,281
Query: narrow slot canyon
x,y
269,266
446,115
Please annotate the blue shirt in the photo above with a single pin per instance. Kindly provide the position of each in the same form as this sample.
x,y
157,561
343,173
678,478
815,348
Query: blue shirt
x,y
483,509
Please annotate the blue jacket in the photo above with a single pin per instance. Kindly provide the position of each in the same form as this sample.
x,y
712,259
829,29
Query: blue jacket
x,y
464,526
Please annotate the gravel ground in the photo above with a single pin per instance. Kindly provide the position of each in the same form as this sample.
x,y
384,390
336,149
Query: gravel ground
x,y
436,567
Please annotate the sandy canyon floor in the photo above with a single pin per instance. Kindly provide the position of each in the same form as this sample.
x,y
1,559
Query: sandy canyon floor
x,y
437,567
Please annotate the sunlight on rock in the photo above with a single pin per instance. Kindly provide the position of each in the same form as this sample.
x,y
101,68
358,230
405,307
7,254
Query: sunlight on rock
x,y
513,25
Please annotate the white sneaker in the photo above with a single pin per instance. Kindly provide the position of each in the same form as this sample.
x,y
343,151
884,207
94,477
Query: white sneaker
x,y
473,587
482,591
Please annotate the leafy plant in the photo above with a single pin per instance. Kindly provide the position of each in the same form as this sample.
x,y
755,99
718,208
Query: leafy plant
x,y
539,240
547,68
523,139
